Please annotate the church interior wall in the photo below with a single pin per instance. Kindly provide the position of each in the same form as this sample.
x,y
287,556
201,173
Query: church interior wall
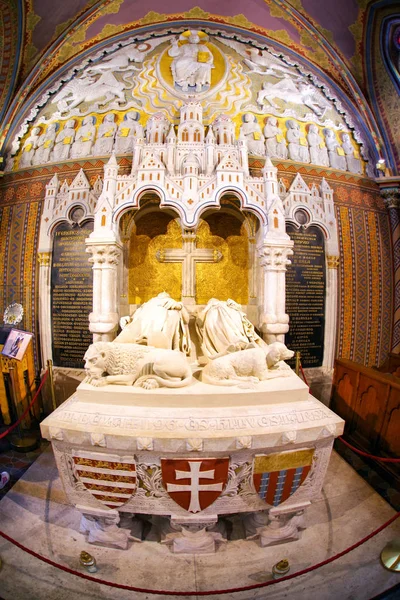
x,y
365,266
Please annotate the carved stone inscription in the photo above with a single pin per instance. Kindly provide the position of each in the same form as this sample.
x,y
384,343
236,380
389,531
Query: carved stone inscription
x,y
184,425
305,295
71,295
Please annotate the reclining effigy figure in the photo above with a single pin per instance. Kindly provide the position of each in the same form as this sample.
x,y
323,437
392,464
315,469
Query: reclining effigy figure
x,y
136,365
222,325
161,316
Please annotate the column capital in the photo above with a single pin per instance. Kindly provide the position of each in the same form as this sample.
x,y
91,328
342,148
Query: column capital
x,y
275,256
391,197
44,259
333,261
103,254
389,188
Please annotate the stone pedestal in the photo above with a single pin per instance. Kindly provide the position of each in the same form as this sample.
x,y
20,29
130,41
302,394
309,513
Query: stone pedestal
x,y
113,446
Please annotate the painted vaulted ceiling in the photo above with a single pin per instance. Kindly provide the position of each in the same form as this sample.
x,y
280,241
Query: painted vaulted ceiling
x,y
352,41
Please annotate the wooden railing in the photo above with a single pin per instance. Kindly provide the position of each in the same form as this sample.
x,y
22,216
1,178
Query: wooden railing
x,y
369,401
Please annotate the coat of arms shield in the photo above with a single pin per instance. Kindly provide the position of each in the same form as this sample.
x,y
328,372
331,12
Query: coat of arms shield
x,y
110,479
277,476
194,483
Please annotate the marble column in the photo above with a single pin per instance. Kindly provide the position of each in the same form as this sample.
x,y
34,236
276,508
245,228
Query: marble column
x,y
103,321
124,276
44,259
274,258
391,197
330,311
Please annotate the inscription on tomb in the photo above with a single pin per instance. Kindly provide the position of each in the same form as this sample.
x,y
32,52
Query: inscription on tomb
x,y
185,425
71,295
305,295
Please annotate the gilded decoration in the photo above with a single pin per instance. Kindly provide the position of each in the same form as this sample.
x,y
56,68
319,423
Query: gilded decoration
x,y
225,279
229,277
44,259
147,276
333,262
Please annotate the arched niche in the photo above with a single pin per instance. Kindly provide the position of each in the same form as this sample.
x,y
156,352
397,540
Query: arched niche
x,y
229,231
157,250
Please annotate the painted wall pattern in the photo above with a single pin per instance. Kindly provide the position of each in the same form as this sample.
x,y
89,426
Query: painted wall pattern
x,y
365,285
19,227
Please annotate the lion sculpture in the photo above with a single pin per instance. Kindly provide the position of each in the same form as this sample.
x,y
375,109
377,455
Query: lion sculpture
x,y
137,365
247,367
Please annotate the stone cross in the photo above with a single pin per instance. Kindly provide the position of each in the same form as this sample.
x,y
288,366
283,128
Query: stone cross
x,y
188,255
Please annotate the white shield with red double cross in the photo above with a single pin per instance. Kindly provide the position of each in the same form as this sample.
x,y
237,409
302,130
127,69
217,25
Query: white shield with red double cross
x,y
194,483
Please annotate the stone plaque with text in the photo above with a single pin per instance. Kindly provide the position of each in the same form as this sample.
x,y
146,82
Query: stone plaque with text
x,y
305,295
71,295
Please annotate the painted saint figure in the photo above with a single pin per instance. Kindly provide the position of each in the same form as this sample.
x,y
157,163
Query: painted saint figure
x,y
64,141
105,136
252,132
192,62
84,138
128,130
275,145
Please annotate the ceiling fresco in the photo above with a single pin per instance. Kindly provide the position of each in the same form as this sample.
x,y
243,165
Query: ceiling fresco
x,y
307,26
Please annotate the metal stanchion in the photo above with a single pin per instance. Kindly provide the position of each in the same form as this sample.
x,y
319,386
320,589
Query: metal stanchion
x,y
297,364
21,443
51,379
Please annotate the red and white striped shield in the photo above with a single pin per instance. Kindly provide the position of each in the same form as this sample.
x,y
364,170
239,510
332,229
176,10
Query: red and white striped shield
x,y
109,478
